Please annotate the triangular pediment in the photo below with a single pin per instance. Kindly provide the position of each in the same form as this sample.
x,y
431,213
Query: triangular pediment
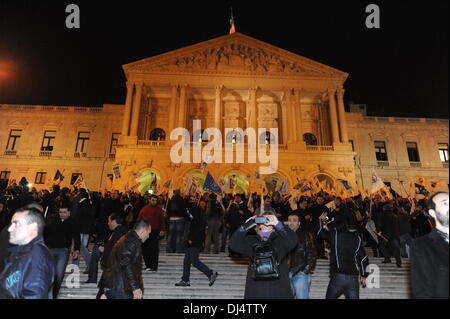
x,y
236,54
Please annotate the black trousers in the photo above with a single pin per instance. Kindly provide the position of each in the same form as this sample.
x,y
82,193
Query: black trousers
x,y
150,250
320,246
391,248
191,258
348,285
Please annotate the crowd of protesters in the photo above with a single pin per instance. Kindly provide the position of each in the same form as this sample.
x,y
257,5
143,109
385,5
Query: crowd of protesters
x,y
114,222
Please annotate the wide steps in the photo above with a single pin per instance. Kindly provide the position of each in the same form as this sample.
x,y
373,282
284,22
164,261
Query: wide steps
x,y
394,282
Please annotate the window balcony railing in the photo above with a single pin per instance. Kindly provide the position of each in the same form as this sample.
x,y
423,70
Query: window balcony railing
x,y
9,152
45,154
79,155
112,156
445,164
415,164
383,163
319,148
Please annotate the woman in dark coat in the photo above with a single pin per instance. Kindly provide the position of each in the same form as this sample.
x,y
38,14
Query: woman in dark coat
x,y
281,239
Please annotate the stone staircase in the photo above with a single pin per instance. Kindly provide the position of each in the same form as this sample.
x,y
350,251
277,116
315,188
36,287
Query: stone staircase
x,y
393,281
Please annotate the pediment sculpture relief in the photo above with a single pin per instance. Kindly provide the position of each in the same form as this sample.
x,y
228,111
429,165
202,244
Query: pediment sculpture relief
x,y
231,57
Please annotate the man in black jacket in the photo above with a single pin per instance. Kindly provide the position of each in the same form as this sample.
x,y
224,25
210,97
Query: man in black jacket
x,y
348,259
85,217
194,244
59,233
176,212
123,274
236,216
316,211
29,271
214,219
118,228
429,254
302,259
389,232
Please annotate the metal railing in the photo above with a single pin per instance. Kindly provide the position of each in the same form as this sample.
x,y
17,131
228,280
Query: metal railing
x,y
415,164
383,163
45,154
316,148
7,152
79,155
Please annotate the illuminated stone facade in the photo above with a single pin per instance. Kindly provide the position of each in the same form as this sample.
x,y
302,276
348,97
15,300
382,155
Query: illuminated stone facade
x,y
234,82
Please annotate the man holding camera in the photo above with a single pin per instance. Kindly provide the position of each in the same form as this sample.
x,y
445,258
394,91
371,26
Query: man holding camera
x,y
268,247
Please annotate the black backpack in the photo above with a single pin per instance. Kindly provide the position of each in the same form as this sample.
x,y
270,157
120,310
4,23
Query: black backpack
x,y
264,265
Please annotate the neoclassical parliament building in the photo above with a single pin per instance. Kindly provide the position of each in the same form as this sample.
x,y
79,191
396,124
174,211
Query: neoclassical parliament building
x,y
233,81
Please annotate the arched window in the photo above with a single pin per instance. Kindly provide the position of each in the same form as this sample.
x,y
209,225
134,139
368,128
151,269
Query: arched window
x,y
310,139
200,136
266,138
157,135
233,137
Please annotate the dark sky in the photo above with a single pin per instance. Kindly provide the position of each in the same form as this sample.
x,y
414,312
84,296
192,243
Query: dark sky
x,y
399,70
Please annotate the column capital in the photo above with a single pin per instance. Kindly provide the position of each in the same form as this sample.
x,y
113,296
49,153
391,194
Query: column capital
x,y
129,84
331,91
341,91
219,87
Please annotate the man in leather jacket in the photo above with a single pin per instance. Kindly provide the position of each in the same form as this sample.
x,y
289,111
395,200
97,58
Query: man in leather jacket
x,y
29,270
123,275
302,259
118,228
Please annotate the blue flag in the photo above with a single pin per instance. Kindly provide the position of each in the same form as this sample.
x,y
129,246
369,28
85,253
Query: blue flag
x,y
210,185
345,184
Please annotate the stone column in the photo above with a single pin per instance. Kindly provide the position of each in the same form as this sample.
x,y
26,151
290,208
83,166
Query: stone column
x,y
291,116
218,108
333,116
342,119
172,110
298,127
136,110
284,115
183,109
253,120
127,112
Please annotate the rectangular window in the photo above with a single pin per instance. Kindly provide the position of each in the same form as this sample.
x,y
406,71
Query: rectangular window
x,y
14,136
443,152
413,152
74,178
114,141
82,141
380,151
48,140
40,178
5,175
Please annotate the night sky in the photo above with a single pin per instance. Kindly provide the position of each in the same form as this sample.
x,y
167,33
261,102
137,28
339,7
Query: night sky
x,y
401,69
